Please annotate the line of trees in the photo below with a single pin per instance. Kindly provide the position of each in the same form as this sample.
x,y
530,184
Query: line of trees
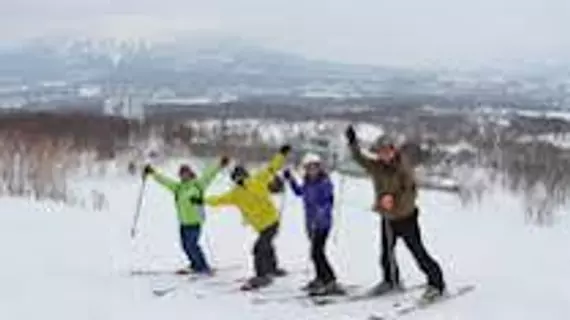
x,y
40,153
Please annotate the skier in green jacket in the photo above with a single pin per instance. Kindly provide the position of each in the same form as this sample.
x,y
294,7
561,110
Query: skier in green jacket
x,y
189,201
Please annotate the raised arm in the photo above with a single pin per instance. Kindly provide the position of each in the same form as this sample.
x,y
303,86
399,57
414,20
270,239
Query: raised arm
x,y
293,183
210,173
163,180
355,151
277,162
224,199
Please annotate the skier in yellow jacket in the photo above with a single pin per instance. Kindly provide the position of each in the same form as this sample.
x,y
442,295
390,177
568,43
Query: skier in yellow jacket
x,y
252,196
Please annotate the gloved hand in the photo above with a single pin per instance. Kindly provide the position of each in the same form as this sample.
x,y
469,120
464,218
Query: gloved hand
x,y
350,135
147,170
386,202
224,161
285,149
287,174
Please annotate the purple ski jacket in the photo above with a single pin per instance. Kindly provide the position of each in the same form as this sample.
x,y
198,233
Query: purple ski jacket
x,y
318,200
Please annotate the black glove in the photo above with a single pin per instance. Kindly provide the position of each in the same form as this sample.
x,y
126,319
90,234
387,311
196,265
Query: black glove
x,y
287,174
285,149
350,135
147,170
198,201
224,161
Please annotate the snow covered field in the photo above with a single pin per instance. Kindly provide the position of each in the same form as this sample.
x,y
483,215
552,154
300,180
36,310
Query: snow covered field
x,y
66,263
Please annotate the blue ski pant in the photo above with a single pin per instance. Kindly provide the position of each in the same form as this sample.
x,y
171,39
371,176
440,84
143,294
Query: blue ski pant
x,y
190,237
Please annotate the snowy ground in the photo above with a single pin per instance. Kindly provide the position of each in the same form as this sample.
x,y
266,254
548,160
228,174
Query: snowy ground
x,y
62,263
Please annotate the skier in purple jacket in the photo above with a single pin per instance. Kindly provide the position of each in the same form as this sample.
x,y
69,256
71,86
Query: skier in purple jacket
x,y
317,192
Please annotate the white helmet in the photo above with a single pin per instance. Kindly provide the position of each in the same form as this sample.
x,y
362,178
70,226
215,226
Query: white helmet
x,y
311,158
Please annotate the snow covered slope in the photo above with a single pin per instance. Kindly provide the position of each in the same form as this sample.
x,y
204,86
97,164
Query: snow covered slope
x,y
61,263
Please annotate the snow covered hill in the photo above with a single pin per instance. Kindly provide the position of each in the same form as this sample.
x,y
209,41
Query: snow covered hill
x,y
64,263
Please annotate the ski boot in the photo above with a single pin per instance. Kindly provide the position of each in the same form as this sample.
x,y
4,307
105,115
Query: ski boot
x,y
278,272
311,285
384,288
206,273
190,270
431,294
256,283
331,288
184,271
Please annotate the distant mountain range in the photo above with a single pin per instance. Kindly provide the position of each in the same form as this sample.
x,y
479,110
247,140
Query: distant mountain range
x,y
215,66
192,58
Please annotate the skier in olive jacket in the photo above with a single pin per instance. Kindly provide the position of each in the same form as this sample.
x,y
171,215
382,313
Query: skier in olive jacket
x,y
396,192
189,200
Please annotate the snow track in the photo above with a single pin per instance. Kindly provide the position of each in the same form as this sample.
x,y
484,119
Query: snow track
x,y
65,263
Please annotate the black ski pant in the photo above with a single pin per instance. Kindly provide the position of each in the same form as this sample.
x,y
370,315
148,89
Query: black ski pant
x,y
264,258
323,269
409,230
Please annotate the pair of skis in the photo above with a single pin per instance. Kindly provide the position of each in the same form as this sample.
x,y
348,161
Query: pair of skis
x,y
403,306
182,277
415,305
352,293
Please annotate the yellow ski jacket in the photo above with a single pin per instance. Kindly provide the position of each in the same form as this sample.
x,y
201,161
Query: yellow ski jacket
x,y
253,197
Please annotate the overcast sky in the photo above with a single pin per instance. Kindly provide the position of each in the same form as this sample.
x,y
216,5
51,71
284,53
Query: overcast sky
x,y
403,32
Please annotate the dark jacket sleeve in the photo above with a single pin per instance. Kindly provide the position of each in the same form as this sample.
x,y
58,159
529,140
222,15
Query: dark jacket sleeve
x,y
295,187
364,161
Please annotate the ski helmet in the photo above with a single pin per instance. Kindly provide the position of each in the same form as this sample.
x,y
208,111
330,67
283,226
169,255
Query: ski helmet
x,y
311,158
186,171
382,142
239,173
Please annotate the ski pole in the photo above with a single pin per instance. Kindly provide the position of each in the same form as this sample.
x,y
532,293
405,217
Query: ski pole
x,y
308,258
209,247
138,208
339,208
283,204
